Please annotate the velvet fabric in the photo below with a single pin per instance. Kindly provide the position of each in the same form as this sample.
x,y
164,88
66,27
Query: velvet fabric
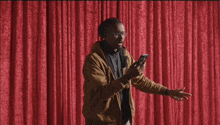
x,y
43,45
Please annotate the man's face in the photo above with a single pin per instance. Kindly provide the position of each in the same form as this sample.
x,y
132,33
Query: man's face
x,y
115,36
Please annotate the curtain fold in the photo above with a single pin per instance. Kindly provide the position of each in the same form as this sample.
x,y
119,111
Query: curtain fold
x,y
43,45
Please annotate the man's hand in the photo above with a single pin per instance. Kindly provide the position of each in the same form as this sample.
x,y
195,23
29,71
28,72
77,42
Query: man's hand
x,y
178,94
135,69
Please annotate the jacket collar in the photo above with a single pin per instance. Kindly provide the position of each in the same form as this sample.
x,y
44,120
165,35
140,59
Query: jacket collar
x,y
96,48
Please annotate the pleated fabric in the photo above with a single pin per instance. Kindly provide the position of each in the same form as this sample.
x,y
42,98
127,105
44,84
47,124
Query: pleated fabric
x,y
43,45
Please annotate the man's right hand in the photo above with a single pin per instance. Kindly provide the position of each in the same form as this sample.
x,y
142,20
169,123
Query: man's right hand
x,y
135,69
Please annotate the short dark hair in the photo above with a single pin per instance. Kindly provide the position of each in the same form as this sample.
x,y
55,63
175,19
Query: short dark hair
x,y
103,27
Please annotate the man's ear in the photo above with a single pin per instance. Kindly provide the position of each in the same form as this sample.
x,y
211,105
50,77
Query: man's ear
x,y
102,36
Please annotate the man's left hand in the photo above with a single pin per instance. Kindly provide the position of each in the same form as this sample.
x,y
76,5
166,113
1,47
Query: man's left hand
x,y
178,94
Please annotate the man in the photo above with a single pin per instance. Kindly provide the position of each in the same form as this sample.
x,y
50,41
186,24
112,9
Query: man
x,y
109,71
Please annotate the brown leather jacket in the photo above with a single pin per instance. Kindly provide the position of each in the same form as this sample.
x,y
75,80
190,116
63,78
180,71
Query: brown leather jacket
x,y
102,104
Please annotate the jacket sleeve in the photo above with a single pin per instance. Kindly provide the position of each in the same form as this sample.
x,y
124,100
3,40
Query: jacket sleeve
x,y
96,79
146,85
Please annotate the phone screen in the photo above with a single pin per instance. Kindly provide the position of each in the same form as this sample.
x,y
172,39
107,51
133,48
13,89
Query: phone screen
x,y
143,58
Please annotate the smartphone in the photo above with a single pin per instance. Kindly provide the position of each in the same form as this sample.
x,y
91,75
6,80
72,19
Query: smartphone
x,y
142,58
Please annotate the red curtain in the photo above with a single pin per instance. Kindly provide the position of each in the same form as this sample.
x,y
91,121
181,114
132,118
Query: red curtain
x,y
44,44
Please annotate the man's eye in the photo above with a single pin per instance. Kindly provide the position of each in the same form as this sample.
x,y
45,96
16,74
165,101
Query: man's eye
x,y
120,33
117,34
